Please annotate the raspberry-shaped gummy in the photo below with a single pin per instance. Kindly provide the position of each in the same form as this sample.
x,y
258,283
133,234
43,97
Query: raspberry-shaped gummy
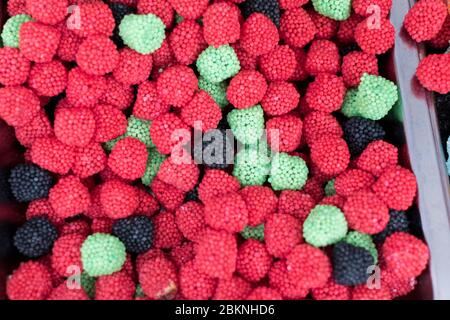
x,y
30,281
74,126
84,90
135,232
190,220
216,183
297,28
318,124
247,124
110,122
351,181
282,232
284,133
234,288
11,29
261,201
170,197
425,19
218,91
167,235
281,98
288,172
168,131
326,93
140,129
279,64
363,292
295,203
143,33
355,64
378,156
69,43
440,41
330,154
331,291
221,24
337,10
48,79
64,292
264,293
247,61
158,278
253,261
77,203
256,233
187,42
195,285
160,8
118,200
176,85
183,176
18,105
375,40
325,225
326,27
53,155
226,212
66,254
287,288
246,89
259,35
38,42
323,57
189,9
128,158
117,94
201,110
102,254
39,127
97,55
96,19
434,72
89,160
149,105
47,11
116,286
218,64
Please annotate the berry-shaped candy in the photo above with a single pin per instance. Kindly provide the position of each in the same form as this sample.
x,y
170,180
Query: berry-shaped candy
x,y
323,57
366,213
221,24
297,28
287,288
364,292
375,97
64,292
326,93
170,197
30,281
350,264
247,61
216,254
166,234
434,72
47,11
330,155
38,42
326,27
325,225
110,123
398,222
168,133
149,105
355,64
256,233
189,9
216,183
264,293
279,64
284,133
133,67
202,112
102,254
288,172
270,8
377,156
295,203
158,278
176,85
39,127
118,200
253,261
396,187
190,220
247,124
364,241
195,285
161,8
66,253
234,288
119,11
329,188
218,91
143,33
153,163
183,176
139,129
84,90
69,44
425,19
97,55
246,89
352,181
18,105
331,291
337,10
35,237
128,158
48,79
281,98
11,29
29,182
259,35
375,40
440,41
77,203
318,124
51,154
96,19
282,232
218,64
74,126
260,201
136,233
117,286
227,212
369,7
252,164
405,255
187,42
360,132
349,106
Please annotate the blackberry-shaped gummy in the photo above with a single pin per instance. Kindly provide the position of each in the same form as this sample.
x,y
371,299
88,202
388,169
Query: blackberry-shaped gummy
x,y
29,182
359,132
270,8
350,264
119,11
214,149
135,232
35,237
398,222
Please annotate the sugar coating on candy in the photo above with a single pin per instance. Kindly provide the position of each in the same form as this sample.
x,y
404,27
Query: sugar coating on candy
x,y
259,35
337,10
48,79
424,20
11,29
330,155
317,124
189,9
15,7
396,187
377,156
30,281
295,203
117,286
35,237
405,255
269,8
18,105
282,232
221,24
234,288
143,33
128,158
69,44
434,72
117,199
325,225
170,197
183,176
110,123
190,220
355,64
329,188
102,254
279,281
139,129
349,107
375,40
326,93
300,73
279,64
38,42
84,90
226,212
218,64
260,201
323,57
326,27
247,61
149,105
216,183
51,154
216,254
369,7
288,172
39,127
158,278
132,67
375,97
66,253
350,264
97,19
74,126
176,85
168,132
202,112
136,233
218,91
187,41
183,253
167,234
247,124
246,89
309,266
280,98
160,8
148,205
117,94
77,203
194,284
29,182
398,222
366,213
155,159
252,164
253,261
364,241
360,132
351,181
284,133
48,11
398,287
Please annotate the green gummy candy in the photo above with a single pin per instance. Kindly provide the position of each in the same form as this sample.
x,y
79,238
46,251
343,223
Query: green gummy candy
x,y
11,29
218,91
256,233
252,165
364,241
288,172
247,125
155,159
218,64
335,9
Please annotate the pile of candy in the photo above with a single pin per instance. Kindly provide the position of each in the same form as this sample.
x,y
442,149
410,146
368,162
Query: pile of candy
x,y
107,99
